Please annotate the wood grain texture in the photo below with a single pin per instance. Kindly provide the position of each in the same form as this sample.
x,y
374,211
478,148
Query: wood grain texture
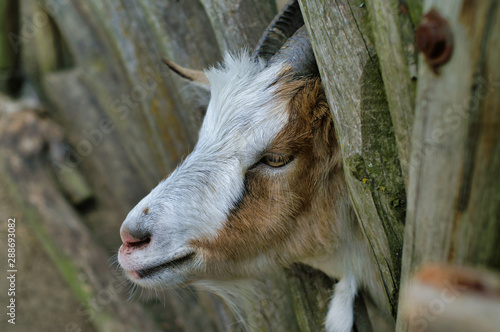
x,y
393,32
341,36
454,210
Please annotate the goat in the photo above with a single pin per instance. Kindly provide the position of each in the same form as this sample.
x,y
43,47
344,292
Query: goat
x,y
263,187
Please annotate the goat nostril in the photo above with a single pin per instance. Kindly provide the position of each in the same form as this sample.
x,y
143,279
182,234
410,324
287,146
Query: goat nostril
x,y
132,241
139,243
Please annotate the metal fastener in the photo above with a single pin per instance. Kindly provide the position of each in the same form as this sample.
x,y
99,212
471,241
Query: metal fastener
x,y
434,39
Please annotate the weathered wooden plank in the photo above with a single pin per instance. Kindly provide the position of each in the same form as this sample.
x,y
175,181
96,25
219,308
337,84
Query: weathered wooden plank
x,y
342,42
454,210
393,32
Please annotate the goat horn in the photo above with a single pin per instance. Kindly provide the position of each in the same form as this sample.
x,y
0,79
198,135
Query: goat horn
x,y
281,28
196,76
298,53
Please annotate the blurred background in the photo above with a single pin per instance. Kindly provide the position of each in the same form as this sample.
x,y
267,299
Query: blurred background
x,y
90,122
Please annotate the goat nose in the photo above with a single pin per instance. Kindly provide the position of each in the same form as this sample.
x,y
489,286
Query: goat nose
x,y
137,239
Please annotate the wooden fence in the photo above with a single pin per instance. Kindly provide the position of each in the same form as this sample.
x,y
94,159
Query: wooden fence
x,y
419,133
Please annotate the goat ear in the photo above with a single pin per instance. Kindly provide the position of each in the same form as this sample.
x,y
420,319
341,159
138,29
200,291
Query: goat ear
x,y
197,77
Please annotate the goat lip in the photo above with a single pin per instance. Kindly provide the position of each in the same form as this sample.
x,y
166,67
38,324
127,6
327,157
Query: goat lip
x,y
134,274
172,263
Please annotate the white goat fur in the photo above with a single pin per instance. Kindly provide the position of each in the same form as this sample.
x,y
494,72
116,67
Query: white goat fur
x,y
243,118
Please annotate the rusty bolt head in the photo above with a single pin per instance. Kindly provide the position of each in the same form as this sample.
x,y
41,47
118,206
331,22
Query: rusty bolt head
x,y
434,39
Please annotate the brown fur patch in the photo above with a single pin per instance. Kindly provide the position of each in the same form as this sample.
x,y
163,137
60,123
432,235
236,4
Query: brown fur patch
x,y
146,211
286,213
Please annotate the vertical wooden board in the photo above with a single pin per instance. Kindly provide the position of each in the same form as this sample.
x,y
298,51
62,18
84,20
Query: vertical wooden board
x,y
453,212
125,81
342,41
295,299
310,312
393,32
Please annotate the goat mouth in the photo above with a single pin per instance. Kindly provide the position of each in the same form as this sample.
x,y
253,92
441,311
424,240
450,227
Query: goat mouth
x,y
176,262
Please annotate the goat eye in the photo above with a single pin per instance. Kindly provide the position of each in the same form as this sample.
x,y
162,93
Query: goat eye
x,y
276,160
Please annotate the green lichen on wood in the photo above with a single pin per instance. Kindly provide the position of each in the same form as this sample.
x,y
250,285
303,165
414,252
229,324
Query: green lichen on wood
x,y
357,167
363,23
394,40
415,10
347,60
381,164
